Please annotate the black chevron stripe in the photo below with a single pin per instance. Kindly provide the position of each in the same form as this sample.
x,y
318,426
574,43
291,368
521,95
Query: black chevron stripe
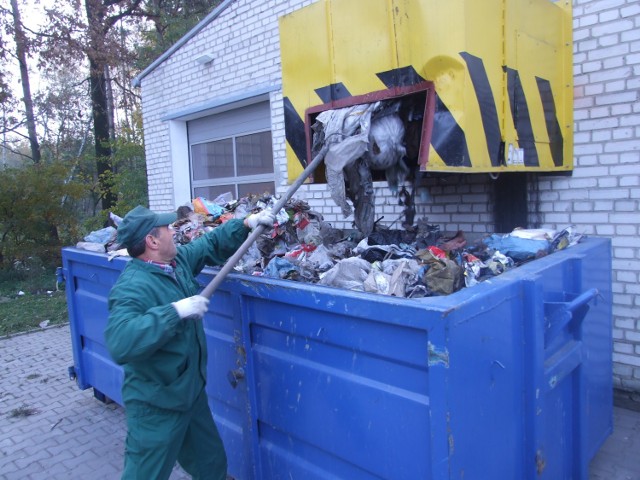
x,y
335,91
521,118
400,77
556,142
487,105
448,139
294,131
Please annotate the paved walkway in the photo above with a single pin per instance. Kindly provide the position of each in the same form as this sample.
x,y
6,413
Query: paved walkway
x,y
49,429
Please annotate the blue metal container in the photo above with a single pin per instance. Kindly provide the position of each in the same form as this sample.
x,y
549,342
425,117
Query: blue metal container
x,y
509,379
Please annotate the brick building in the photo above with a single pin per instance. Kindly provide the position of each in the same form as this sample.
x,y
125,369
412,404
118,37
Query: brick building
x,y
226,73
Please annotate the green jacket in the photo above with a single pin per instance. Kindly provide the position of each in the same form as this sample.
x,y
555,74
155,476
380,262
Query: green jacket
x,y
164,358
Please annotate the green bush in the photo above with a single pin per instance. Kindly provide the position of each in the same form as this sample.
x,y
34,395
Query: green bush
x,y
35,219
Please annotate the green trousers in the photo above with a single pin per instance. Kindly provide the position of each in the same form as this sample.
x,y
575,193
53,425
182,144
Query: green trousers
x,y
156,438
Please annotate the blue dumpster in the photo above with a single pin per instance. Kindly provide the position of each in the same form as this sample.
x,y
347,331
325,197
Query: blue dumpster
x,y
510,379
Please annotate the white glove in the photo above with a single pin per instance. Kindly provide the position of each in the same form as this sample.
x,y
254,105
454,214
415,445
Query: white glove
x,y
195,306
265,218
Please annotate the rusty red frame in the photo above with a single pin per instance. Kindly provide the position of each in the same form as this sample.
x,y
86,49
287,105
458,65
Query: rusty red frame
x,y
387,94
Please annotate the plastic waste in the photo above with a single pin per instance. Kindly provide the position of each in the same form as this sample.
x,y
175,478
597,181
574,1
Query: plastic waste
x,y
377,281
115,219
443,276
206,207
349,273
519,249
386,149
104,236
91,246
280,267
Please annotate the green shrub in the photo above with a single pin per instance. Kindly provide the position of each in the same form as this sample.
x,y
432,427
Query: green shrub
x,y
35,219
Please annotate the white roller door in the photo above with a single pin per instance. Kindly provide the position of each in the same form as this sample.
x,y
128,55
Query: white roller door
x,y
232,152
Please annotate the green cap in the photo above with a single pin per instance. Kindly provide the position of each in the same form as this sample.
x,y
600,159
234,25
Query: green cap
x,y
139,222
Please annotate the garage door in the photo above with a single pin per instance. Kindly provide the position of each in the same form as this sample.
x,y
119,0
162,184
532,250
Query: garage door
x,y
232,152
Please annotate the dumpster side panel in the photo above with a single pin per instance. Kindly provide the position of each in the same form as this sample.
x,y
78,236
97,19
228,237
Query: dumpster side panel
x,y
534,352
485,385
596,375
334,388
332,376
89,278
576,379
226,379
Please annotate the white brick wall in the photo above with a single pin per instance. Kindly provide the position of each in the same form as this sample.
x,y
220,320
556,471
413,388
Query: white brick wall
x,y
600,198
607,157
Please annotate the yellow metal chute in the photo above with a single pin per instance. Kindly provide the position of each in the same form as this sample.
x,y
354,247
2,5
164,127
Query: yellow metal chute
x,y
495,76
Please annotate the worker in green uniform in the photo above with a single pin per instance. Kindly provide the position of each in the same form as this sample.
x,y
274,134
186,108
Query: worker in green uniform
x,y
155,332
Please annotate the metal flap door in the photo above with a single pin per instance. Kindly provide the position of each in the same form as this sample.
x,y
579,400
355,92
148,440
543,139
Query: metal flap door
x,y
556,393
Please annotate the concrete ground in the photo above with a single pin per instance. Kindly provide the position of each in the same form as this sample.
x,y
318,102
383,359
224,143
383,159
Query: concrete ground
x,y
49,429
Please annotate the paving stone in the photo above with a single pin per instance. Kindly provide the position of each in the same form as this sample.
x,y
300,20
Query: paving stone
x,y
8,468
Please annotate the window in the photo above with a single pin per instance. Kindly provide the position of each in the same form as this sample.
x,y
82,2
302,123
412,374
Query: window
x,y
239,165
232,152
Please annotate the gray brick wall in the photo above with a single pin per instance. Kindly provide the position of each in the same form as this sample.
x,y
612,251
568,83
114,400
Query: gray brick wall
x,y
600,198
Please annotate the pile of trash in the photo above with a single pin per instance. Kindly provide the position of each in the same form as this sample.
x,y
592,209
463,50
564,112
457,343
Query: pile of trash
x,y
302,247
360,139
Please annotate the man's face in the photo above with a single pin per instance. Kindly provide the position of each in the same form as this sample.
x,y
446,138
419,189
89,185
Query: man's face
x,y
167,248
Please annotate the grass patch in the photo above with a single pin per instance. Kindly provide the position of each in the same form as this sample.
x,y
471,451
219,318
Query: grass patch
x,y
38,304
27,312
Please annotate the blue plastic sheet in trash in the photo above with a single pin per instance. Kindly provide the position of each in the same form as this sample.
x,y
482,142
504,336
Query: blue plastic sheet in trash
x,y
519,249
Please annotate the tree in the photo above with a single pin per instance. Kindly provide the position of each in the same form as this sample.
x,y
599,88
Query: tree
x,y
5,89
64,113
22,50
102,15
13,46
92,38
104,39
171,19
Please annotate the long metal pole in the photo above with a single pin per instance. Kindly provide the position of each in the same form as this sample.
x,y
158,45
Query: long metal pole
x,y
253,236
